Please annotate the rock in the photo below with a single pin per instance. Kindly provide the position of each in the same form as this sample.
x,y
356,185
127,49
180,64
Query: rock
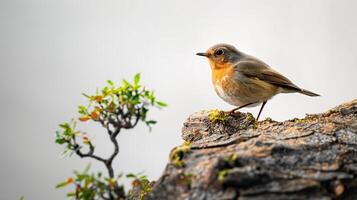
x,y
238,158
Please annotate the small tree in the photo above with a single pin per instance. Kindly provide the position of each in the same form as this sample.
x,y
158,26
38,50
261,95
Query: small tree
x,y
115,109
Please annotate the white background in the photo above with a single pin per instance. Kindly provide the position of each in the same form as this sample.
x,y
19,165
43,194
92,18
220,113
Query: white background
x,y
52,51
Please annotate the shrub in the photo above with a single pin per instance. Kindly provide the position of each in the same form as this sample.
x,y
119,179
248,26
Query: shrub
x,y
115,108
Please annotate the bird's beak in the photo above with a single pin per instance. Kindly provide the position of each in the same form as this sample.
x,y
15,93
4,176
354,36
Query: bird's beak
x,y
202,54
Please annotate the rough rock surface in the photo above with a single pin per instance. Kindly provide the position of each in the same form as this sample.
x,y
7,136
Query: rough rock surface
x,y
237,158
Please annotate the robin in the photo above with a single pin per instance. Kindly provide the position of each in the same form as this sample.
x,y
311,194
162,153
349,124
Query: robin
x,y
245,81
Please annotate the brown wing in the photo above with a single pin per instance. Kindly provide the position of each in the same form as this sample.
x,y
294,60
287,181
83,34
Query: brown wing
x,y
254,68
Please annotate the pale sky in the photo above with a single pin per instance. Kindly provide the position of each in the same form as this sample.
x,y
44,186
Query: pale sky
x,y
52,51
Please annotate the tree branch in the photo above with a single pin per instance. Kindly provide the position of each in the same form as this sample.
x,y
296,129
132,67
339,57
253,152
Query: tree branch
x,y
90,153
109,161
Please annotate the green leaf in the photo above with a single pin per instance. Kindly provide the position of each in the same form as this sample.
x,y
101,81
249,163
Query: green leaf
x,y
82,110
143,177
161,104
126,84
71,194
62,184
105,91
151,122
22,197
86,95
60,140
68,132
131,175
137,79
65,126
74,123
110,83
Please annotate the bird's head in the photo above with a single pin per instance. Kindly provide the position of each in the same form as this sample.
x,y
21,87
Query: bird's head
x,y
221,55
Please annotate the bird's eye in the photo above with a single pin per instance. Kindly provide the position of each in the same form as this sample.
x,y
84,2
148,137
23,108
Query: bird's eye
x,y
219,52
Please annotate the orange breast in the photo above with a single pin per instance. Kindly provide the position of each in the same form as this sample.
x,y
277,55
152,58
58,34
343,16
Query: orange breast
x,y
219,71
237,91
225,85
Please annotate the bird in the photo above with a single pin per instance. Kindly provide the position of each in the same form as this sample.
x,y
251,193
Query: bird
x,y
243,80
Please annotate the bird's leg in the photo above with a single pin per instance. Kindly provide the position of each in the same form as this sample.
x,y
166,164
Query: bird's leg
x,y
261,109
235,109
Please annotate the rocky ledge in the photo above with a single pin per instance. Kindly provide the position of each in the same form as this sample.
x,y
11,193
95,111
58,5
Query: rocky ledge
x,y
234,157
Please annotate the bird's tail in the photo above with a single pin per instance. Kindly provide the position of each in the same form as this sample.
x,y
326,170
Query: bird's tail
x,y
308,93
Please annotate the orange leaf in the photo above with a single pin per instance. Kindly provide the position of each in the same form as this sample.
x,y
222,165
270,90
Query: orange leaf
x,y
70,180
136,183
99,99
85,139
85,118
94,115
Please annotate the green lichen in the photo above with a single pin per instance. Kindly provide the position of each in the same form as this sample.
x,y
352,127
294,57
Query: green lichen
x,y
186,179
269,119
231,159
222,174
218,116
249,118
255,126
229,162
297,120
177,154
